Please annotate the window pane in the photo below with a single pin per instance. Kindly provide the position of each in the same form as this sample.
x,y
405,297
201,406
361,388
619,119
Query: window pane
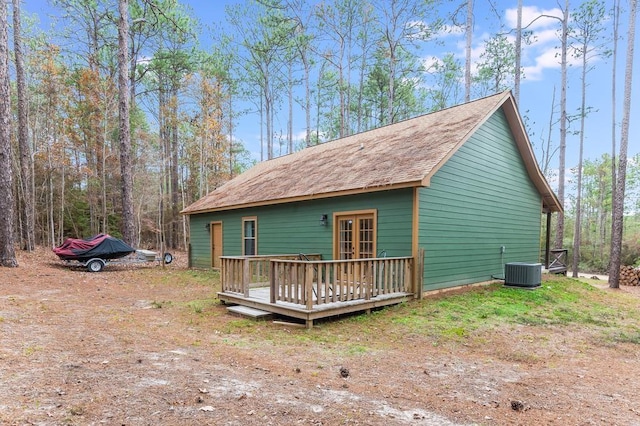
x,y
249,237
249,247
250,229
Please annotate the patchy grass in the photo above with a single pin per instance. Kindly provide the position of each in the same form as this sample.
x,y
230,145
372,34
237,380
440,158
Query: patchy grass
x,y
453,317
181,277
559,301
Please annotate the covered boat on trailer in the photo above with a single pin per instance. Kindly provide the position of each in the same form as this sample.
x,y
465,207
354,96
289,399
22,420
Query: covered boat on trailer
x,y
102,246
95,252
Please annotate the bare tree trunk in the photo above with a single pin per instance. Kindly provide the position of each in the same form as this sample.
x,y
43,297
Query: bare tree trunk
x,y
616,25
361,78
175,187
392,89
563,124
262,126
268,112
62,204
578,223
231,148
547,154
51,203
164,136
307,98
124,93
602,211
26,178
618,197
516,77
467,64
341,89
290,118
104,214
7,249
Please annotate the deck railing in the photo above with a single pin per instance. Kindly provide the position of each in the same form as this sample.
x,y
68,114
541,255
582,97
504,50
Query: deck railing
x,y
311,283
241,273
558,261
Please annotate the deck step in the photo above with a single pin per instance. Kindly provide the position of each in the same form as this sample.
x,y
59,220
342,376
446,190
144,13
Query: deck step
x,y
249,312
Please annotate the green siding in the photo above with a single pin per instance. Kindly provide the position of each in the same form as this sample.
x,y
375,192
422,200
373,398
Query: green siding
x,y
295,227
480,200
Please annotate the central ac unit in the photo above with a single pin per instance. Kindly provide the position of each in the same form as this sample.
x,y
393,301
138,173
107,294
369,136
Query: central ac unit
x,y
522,274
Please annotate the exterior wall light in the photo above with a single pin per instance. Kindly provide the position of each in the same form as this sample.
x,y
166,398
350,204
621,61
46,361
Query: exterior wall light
x,y
323,220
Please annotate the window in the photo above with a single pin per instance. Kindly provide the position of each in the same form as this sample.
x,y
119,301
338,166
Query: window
x,y
249,236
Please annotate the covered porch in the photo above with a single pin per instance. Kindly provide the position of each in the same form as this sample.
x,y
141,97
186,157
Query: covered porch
x,y
305,287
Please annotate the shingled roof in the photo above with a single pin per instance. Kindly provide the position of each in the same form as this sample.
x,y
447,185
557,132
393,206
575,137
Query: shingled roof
x,y
400,155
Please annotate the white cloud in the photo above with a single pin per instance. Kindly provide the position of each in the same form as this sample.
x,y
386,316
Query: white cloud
x,y
543,52
546,36
547,59
534,18
540,55
427,63
449,31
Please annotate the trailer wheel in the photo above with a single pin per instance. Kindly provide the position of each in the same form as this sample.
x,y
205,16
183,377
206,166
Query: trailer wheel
x,y
168,258
95,265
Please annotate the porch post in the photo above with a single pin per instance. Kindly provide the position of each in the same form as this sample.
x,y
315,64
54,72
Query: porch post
x,y
547,242
272,281
308,286
418,270
246,276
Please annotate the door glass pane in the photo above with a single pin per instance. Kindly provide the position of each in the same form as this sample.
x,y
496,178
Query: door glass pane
x,y
366,237
346,239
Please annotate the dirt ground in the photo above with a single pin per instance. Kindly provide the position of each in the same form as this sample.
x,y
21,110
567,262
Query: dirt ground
x,y
119,348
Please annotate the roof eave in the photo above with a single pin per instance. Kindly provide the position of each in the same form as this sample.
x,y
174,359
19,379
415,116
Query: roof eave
x,y
308,197
550,200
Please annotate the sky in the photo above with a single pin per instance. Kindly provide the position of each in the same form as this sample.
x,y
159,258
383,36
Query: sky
x,y
540,60
541,70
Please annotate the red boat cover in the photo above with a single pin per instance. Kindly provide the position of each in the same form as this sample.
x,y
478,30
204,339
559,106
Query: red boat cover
x,y
102,246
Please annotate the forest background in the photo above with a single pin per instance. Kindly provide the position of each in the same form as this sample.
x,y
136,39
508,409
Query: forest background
x,y
217,86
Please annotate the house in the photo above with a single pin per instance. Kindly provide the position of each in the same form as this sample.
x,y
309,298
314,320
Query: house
x,y
462,183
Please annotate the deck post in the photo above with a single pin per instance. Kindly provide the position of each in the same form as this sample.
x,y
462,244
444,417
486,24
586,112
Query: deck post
x,y
272,282
547,243
246,277
308,286
369,279
419,274
408,276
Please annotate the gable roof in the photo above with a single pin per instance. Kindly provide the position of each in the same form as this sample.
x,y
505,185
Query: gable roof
x,y
400,155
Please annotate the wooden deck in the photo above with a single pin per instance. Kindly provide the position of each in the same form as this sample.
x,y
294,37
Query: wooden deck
x,y
314,288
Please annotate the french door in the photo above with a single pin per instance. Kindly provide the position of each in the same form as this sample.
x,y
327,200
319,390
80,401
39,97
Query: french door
x,y
355,236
